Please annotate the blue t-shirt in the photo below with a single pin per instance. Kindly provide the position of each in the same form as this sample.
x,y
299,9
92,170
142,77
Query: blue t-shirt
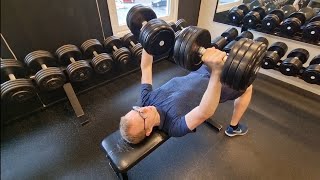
x,y
179,96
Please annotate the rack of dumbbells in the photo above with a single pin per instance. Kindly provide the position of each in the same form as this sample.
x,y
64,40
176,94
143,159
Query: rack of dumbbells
x,y
294,63
45,78
279,18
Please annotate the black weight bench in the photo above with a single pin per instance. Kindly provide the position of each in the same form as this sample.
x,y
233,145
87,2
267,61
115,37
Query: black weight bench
x,y
123,156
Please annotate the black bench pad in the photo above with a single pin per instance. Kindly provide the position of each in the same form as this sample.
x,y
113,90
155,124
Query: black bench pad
x,y
124,156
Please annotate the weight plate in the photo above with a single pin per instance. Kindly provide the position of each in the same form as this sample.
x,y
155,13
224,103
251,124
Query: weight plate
x,y
68,51
270,7
110,42
136,15
146,29
232,54
137,50
300,53
236,61
230,34
245,65
160,40
18,90
177,46
290,66
253,67
183,60
200,38
263,40
91,45
244,34
290,26
315,60
311,32
270,22
102,63
251,19
288,10
280,47
312,74
270,60
79,71
11,66
181,24
35,59
127,38
50,79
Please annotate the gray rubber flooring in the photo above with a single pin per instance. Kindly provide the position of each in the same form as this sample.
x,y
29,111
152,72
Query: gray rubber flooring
x,y
282,142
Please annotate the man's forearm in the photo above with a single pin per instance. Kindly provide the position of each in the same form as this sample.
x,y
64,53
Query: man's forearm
x,y
211,97
146,68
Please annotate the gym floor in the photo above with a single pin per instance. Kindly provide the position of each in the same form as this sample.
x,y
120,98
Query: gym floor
x,y
282,142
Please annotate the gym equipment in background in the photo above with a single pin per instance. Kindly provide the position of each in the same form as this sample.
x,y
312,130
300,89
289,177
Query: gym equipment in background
x,y
101,62
77,70
48,75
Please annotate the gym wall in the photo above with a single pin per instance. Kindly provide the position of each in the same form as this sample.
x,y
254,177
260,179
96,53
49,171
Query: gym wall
x,y
205,20
46,25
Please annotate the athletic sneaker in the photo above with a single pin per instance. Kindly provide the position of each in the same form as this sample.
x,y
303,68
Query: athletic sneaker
x,y
241,130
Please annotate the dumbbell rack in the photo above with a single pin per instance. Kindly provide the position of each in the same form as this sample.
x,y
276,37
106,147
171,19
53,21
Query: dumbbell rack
x,y
46,99
220,17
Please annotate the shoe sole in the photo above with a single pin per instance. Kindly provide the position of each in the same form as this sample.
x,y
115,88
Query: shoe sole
x,y
231,135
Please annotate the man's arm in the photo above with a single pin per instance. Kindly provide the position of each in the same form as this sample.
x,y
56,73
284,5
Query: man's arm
x,y
240,105
210,99
146,68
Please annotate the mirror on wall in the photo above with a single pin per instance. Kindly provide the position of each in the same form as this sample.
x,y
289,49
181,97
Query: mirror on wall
x,y
294,19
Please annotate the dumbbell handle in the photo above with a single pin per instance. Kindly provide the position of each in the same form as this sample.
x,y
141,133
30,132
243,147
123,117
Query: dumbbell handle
x,y
12,77
203,50
132,43
95,53
43,66
72,60
114,48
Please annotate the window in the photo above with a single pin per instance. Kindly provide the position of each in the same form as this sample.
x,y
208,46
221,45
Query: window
x,y
225,5
118,9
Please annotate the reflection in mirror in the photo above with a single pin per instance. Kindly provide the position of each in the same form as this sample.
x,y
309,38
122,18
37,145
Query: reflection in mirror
x,y
294,19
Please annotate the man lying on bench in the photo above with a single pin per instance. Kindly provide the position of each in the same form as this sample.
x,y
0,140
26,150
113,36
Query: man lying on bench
x,y
183,103
176,108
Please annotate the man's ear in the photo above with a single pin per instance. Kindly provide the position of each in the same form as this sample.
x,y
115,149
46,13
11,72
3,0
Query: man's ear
x,y
148,131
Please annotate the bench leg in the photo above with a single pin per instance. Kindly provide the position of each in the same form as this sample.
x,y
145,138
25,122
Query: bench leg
x,y
121,176
213,124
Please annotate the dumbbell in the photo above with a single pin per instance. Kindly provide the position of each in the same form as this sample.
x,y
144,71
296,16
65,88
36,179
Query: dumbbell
x,y
130,42
292,24
155,35
77,70
312,73
236,14
227,36
275,17
48,75
180,24
14,87
254,17
114,45
101,62
311,32
292,65
244,34
275,52
241,66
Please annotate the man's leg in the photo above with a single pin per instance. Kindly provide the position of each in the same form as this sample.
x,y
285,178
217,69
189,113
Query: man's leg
x,y
240,106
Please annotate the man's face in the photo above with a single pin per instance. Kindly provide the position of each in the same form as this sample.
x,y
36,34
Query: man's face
x,y
139,118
